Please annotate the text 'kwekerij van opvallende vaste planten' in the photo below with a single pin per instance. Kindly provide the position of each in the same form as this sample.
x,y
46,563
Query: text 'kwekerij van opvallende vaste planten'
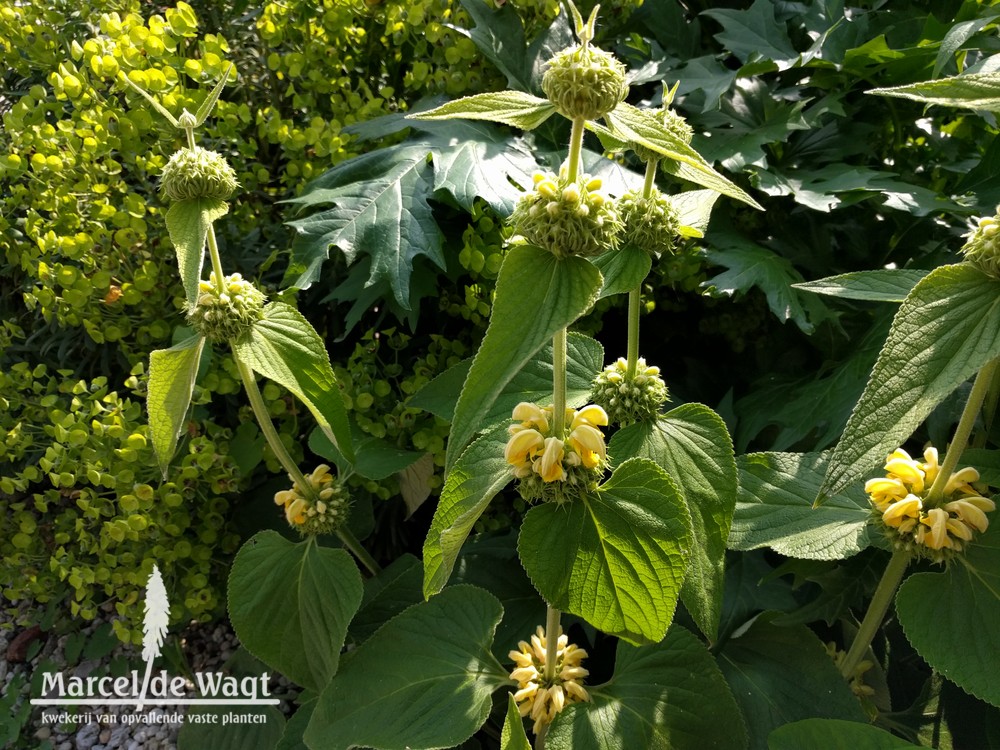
x,y
387,332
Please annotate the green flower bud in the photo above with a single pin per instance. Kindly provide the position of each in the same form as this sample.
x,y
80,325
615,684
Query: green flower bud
x,y
982,249
567,219
627,400
651,223
674,124
227,314
584,81
197,173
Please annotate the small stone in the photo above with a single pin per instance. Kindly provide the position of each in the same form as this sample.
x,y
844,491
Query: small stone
x,y
43,734
105,736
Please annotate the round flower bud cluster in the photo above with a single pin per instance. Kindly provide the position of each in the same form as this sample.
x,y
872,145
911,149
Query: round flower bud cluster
x,y
982,248
651,223
674,124
584,81
320,509
226,314
197,173
549,467
932,529
629,399
543,699
567,218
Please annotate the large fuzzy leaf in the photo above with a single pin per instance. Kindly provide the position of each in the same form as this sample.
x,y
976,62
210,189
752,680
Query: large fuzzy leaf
x,y
508,107
172,374
188,222
972,91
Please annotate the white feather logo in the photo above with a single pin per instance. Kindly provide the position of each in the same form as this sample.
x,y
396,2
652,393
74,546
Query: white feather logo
x,y
154,624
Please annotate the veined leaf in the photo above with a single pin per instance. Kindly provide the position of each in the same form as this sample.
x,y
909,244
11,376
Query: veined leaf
x,y
879,285
478,475
423,681
286,348
513,108
695,209
638,126
670,696
623,269
963,601
616,557
834,734
536,295
691,443
379,209
512,737
947,328
284,595
755,34
499,35
172,373
972,91
188,222
774,509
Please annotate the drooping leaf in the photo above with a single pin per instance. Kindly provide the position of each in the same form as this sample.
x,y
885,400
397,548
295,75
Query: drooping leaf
x,y
623,269
764,668
290,605
774,509
478,475
423,681
536,295
643,128
616,557
670,696
284,347
378,208
834,734
971,91
513,108
962,601
187,223
513,736
750,265
691,443
694,208
944,332
879,285
172,373
499,35
755,35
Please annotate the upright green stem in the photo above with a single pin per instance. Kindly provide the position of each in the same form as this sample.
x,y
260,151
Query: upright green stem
x,y
559,383
876,611
635,295
575,149
213,253
552,616
189,132
965,424
287,463
650,182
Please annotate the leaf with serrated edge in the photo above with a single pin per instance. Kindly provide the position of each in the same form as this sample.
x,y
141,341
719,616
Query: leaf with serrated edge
x,y
963,601
691,443
423,681
947,328
172,373
615,557
880,285
513,737
284,347
478,475
623,269
513,108
188,222
774,509
834,734
972,91
643,128
536,295
283,595
671,696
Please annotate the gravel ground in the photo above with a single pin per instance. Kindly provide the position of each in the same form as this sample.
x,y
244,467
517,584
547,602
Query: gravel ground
x,y
205,647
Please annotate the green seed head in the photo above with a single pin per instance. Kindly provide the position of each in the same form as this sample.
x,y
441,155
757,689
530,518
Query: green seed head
x,y
584,81
650,223
226,314
197,173
982,249
629,399
567,218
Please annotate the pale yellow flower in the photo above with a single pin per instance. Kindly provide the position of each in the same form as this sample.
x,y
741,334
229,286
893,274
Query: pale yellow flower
x,y
902,510
537,698
972,511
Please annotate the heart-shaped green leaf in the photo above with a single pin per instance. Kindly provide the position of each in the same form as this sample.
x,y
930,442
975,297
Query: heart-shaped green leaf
x,y
616,557
290,605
